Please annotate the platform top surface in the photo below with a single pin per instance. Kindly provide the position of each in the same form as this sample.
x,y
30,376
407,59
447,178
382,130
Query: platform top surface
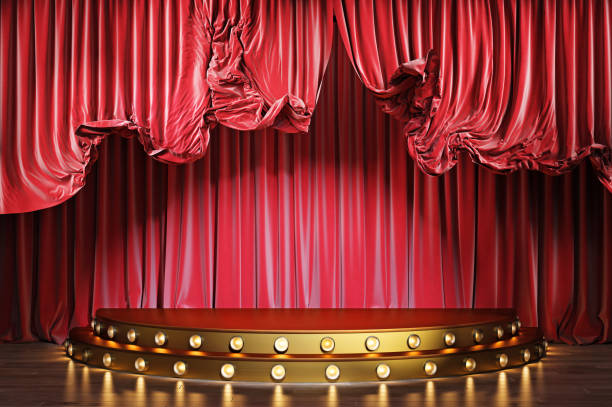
x,y
311,319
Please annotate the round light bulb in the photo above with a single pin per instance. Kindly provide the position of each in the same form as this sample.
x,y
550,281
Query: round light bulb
x,y
179,368
545,344
383,371
332,372
131,335
414,341
195,341
372,343
518,324
227,371
430,368
236,343
502,360
470,364
160,338
111,331
66,343
449,339
70,349
526,355
141,365
281,345
477,335
93,324
514,328
98,328
327,344
499,332
107,360
86,355
278,372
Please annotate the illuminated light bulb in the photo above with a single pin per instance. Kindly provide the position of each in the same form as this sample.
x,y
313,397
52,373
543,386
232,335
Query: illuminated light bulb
x,y
526,355
111,331
414,341
332,372
499,331
93,324
179,368
327,344
518,324
477,335
160,338
107,360
514,327
545,343
383,371
98,328
131,335
281,345
86,355
195,341
502,360
278,372
227,371
141,365
430,368
236,343
70,350
449,339
470,364
66,343
372,343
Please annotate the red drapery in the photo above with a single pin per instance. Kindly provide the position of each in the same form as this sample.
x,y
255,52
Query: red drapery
x,y
516,84
341,217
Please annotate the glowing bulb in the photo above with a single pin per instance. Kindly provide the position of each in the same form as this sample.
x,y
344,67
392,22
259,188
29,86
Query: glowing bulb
x,y
93,324
545,343
281,344
98,328
278,372
518,324
70,350
430,368
86,355
327,344
111,331
66,343
107,360
236,343
141,365
160,338
502,360
179,368
372,343
414,341
227,371
470,364
499,331
195,341
514,327
477,335
449,339
332,372
383,371
131,335
526,355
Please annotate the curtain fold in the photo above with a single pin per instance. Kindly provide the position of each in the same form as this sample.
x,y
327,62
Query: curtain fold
x,y
340,217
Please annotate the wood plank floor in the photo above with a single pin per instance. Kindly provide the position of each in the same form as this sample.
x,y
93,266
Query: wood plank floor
x,y
38,374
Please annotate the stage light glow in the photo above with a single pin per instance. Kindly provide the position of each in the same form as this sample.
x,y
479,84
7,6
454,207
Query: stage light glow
x,y
514,328
131,335
383,371
414,341
278,372
66,343
92,324
449,339
179,368
526,355
98,328
327,344
502,360
470,364
195,341
236,343
87,353
70,349
160,338
141,365
477,335
281,344
372,343
332,372
227,371
499,331
545,343
518,324
111,331
430,368
107,360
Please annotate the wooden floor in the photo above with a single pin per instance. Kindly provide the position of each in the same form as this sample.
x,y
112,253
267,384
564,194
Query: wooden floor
x,y
40,374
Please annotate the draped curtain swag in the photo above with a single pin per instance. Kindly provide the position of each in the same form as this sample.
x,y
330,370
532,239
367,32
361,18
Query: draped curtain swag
x,y
517,84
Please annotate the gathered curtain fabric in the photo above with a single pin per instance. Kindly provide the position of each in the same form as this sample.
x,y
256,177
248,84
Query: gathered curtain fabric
x,y
516,84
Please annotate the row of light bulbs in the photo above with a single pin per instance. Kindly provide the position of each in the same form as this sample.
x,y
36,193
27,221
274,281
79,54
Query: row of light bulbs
x,y
281,344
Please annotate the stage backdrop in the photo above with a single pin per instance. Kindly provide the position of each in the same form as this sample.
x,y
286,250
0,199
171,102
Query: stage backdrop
x,y
339,217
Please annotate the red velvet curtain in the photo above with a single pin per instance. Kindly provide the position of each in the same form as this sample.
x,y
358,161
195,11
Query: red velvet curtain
x,y
341,217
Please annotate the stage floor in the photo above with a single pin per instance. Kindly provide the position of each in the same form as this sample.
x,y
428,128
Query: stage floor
x,y
40,374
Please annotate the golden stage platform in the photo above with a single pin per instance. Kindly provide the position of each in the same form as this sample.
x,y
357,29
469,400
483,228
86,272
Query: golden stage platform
x,y
305,345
